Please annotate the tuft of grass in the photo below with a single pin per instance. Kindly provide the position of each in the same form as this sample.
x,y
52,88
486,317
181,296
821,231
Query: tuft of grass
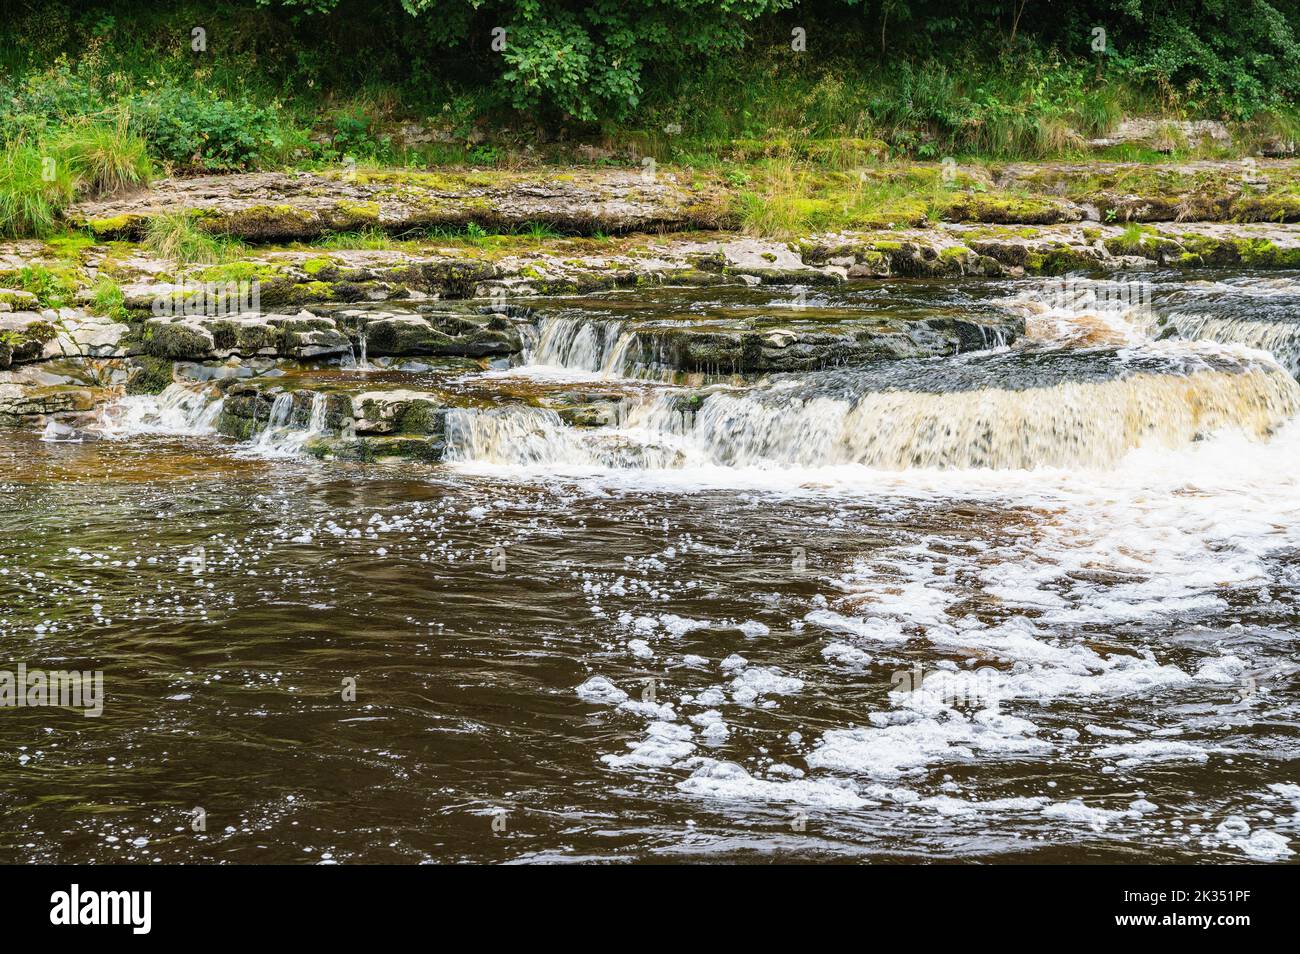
x,y
177,236
105,158
106,298
779,205
368,238
35,187
541,231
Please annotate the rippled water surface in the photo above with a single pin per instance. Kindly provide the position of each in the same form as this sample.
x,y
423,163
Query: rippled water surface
x,y
699,662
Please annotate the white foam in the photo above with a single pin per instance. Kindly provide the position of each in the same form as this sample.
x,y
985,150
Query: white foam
x,y
727,780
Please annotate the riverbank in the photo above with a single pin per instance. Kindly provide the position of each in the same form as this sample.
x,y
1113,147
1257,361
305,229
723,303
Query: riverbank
x,y
400,265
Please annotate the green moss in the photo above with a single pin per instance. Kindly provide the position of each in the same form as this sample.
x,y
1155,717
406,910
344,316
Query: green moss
x,y
312,291
70,246
1003,208
116,226
420,417
265,223
245,271
150,376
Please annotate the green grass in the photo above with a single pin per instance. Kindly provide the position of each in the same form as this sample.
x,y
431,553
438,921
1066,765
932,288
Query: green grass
x,y
785,198
371,238
105,158
177,236
106,298
53,288
34,189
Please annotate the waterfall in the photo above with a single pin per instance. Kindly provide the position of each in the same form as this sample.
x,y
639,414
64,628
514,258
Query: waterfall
x,y
354,361
1261,313
1002,411
319,408
281,437
1280,338
520,435
179,409
281,409
583,344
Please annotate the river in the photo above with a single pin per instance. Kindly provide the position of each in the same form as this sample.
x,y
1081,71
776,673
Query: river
x,y
1036,602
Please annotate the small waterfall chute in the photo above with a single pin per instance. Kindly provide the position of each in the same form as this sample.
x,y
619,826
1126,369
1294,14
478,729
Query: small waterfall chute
x,y
283,435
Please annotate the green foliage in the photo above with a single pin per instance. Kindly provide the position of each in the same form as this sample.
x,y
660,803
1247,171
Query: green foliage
x,y
370,238
203,132
52,288
42,100
34,188
313,81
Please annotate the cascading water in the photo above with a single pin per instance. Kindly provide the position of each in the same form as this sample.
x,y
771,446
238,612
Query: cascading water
x,y
179,409
532,436
283,436
1279,338
277,421
356,359
1088,411
1262,313
577,343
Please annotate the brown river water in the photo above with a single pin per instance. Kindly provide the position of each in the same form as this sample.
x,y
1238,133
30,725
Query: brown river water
x,y
1048,617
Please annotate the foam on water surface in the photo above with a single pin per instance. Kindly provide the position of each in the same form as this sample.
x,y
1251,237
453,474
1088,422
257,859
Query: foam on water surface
x,y
1032,602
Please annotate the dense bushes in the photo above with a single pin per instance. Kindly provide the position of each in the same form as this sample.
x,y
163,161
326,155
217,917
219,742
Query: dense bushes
x,y
599,59
111,88
604,60
200,131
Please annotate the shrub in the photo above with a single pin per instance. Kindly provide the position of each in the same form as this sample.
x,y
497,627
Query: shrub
x,y
44,100
205,133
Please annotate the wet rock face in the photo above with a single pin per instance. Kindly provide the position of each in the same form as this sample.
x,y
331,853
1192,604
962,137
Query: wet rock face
x,y
373,425
248,410
431,330
281,206
333,333
797,346
752,331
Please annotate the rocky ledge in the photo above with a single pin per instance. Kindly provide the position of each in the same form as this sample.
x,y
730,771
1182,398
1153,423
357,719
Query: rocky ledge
x,y
291,206
285,206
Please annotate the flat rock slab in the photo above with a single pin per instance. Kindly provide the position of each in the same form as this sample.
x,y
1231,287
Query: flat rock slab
x,y
295,206
1247,190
